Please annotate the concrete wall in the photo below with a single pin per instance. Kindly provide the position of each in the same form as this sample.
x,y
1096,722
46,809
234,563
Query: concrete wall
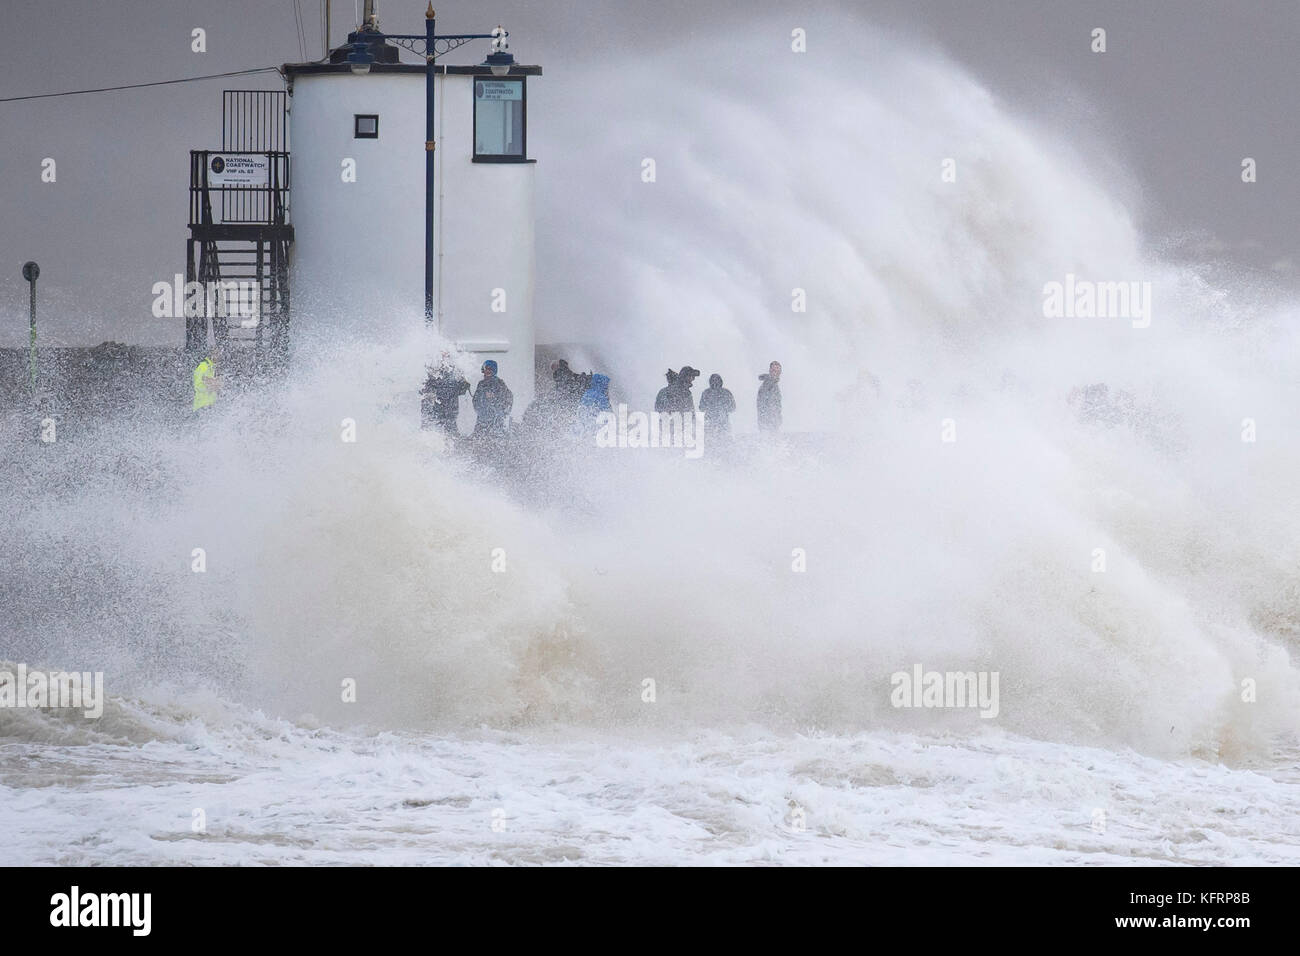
x,y
80,387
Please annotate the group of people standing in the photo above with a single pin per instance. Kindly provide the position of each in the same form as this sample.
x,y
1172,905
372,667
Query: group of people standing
x,y
572,405
578,397
717,404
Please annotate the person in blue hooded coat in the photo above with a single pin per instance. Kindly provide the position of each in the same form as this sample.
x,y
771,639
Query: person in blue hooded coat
x,y
595,399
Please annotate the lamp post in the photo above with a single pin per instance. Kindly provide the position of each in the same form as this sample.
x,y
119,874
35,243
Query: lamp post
x,y
32,272
429,46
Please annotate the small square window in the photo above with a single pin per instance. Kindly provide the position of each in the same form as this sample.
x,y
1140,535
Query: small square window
x,y
366,126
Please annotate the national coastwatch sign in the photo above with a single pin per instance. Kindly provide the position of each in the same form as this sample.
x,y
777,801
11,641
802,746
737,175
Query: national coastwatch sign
x,y
499,89
239,169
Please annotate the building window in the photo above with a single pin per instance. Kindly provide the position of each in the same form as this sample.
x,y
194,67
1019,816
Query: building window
x,y
499,127
365,126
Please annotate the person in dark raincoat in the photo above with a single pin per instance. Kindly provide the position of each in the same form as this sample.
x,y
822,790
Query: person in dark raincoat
x,y
492,403
663,398
769,400
716,405
569,385
440,397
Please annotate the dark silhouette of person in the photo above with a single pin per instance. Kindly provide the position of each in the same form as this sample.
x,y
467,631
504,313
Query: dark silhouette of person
x,y
716,405
769,400
569,385
663,398
679,397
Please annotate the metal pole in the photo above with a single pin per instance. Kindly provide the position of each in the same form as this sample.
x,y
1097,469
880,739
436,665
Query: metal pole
x,y
31,272
429,148
32,325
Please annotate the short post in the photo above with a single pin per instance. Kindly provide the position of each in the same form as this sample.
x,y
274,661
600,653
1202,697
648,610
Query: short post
x,y
31,272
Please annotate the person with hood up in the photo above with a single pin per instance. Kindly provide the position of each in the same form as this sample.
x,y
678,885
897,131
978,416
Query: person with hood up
x,y
769,400
595,399
492,403
440,397
716,405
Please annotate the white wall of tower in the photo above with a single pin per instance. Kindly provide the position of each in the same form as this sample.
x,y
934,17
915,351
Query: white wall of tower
x,y
358,255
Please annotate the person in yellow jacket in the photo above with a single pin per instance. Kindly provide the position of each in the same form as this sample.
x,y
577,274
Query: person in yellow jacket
x,y
205,381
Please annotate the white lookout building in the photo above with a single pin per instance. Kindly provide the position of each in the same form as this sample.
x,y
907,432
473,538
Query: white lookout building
x,y
334,210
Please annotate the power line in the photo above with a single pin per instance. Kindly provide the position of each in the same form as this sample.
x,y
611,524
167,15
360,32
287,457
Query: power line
x,y
136,86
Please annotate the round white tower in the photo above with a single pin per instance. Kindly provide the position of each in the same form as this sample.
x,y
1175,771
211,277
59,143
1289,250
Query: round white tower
x,y
357,194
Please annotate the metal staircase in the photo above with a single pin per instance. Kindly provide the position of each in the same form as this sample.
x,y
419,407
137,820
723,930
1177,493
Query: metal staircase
x,y
240,233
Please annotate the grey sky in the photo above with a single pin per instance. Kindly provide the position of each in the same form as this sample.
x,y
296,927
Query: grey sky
x,y
1187,88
